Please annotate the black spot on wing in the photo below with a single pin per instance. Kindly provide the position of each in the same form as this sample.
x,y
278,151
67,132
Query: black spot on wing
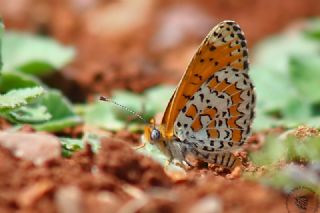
x,y
205,148
201,97
187,96
245,53
227,134
198,76
253,99
221,96
184,109
230,22
236,28
245,65
240,35
212,48
221,145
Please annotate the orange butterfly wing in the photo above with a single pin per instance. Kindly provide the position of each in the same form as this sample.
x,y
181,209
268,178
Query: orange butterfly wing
x,y
224,46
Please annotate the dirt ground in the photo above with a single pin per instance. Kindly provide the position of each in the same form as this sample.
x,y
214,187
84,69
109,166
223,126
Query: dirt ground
x,y
117,179
131,49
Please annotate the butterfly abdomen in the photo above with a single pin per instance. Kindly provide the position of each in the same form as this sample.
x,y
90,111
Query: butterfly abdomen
x,y
224,159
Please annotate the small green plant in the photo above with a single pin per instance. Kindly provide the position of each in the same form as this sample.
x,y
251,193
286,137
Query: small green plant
x,y
24,99
14,99
282,157
285,71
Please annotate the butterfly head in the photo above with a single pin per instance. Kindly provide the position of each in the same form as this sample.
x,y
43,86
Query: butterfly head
x,y
152,132
154,135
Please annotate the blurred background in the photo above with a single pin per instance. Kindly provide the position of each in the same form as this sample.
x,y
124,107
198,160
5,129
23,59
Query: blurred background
x,y
138,44
130,44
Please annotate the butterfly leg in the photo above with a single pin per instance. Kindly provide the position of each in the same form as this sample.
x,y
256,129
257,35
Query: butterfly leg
x,y
184,164
179,152
140,146
167,163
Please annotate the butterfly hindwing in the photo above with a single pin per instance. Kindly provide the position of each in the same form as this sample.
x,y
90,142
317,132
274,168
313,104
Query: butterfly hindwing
x,y
213,105
218,116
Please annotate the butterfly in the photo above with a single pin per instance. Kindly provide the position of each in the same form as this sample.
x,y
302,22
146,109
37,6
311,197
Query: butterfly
x,y
212,109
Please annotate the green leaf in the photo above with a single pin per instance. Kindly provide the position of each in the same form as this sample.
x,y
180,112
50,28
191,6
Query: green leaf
x,y
263,122
297,110
19,97
71,145
274,52
31,114
313,122
17,80
305,74
285,79
93,140
157,99
273,89
128,99
61,111
287,148
34,55
37,68
313,29
284,149
102,115
308,149
149,103
273,151
112,117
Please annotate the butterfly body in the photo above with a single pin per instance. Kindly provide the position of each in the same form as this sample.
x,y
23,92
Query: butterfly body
x,y
211,111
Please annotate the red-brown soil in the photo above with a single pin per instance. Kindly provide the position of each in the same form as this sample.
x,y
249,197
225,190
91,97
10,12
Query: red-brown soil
x,y
117,178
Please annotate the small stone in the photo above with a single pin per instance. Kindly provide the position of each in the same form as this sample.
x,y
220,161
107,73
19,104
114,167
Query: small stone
x,y
36,147
209,204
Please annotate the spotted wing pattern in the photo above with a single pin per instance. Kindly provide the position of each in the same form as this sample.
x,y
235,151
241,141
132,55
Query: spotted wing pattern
x,y
213,107
218,116
225,49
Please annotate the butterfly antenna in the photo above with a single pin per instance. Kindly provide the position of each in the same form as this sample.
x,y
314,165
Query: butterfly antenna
x,y
102,98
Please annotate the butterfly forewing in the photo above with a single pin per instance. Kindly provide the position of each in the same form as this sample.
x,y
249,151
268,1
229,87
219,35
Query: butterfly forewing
x,y
213,105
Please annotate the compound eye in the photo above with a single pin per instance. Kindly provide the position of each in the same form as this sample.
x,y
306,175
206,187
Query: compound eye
x,y
155,134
